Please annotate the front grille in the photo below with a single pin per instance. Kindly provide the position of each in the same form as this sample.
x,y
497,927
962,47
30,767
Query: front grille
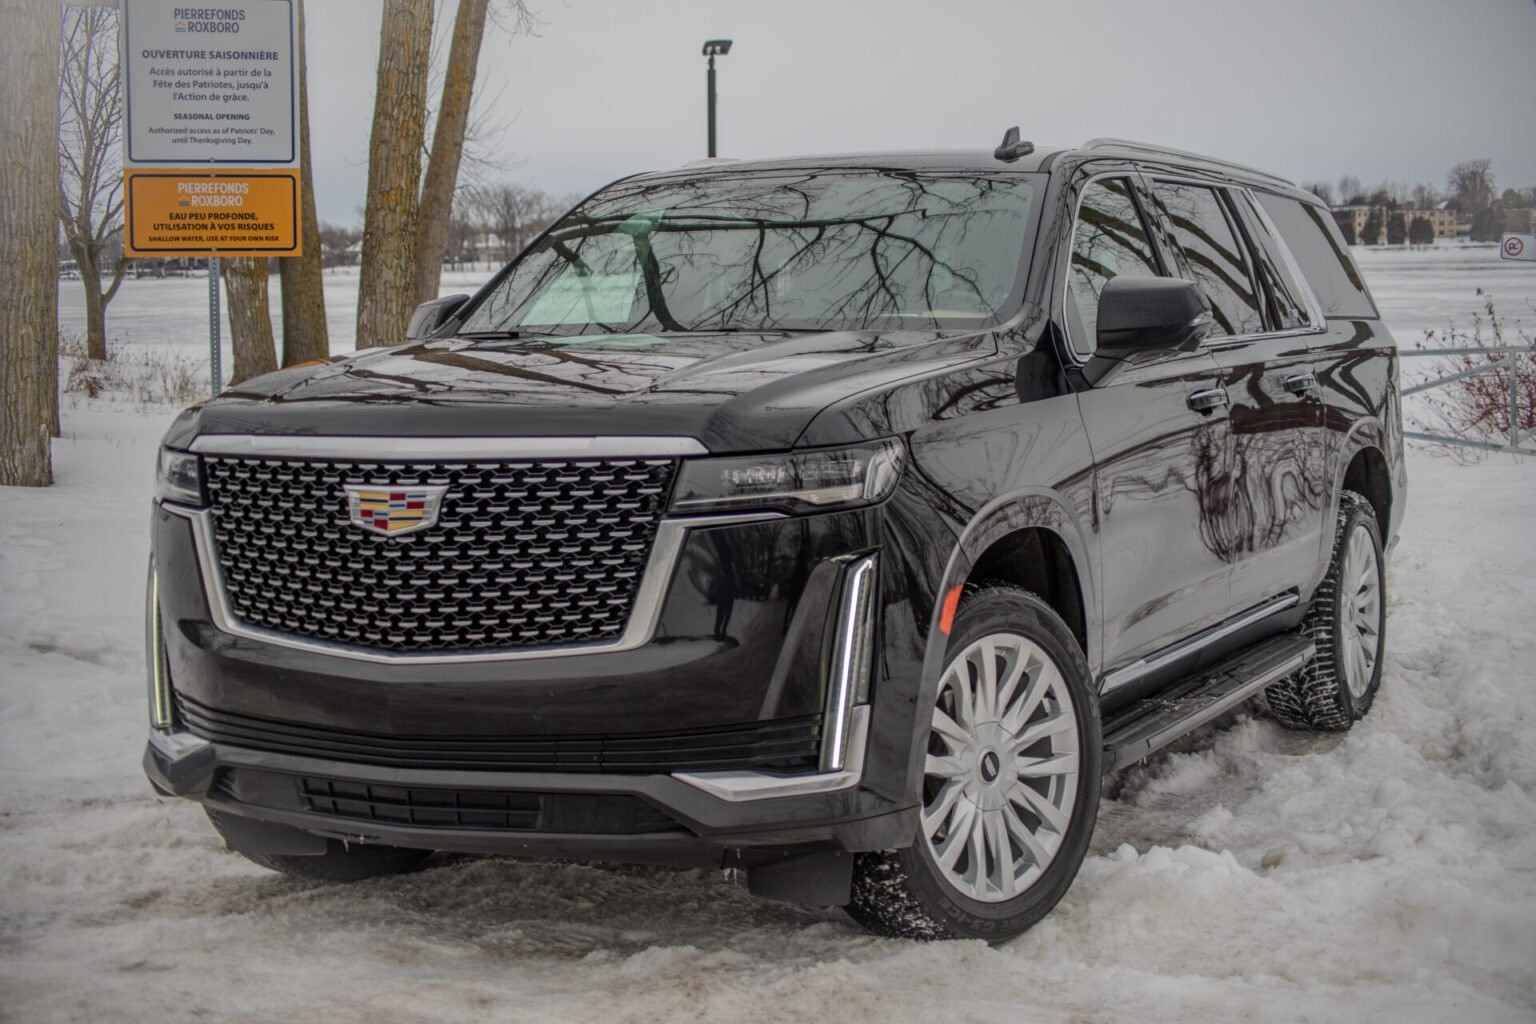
x,y
524,554
782,745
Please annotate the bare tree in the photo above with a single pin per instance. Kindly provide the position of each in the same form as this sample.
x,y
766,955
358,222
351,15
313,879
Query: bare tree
x,y
1425,196
1322,190
394,173
1471,185
90,201
442,175
29,121
1351,192
304,331
515,214
250,321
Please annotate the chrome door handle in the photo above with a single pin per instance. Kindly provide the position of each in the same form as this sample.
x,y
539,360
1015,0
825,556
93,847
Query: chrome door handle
x,y
1210,398
1301,383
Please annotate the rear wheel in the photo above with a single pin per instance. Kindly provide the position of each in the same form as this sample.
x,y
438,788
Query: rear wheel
x,y
1347,621
1010,782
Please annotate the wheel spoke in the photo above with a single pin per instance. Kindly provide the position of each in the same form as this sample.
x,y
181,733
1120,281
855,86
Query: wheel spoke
x,y
936,812
1046,811
1002,853
1053,724
1009,688
1045,767
1044,679
986,683
950,730
1026,838
945,767
959,834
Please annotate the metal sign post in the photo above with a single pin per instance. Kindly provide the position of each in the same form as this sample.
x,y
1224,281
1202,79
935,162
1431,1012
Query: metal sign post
x,y
213,324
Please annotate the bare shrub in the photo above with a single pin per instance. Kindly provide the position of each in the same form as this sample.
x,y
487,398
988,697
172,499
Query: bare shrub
x,y
1478,407
142,376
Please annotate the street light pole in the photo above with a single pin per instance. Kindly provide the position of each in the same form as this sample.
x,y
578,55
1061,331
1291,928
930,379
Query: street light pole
x,y
711,48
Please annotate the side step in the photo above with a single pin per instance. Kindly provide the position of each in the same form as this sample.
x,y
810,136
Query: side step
x,y
1133,732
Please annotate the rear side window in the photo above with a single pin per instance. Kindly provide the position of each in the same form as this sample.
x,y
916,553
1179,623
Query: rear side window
x,y
1314,240
1213,256
1289,309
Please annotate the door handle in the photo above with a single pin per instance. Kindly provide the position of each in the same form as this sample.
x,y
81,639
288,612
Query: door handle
x,y
1209,399
1301,383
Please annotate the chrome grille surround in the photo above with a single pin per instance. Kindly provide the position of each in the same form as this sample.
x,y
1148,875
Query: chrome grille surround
x,y
530,553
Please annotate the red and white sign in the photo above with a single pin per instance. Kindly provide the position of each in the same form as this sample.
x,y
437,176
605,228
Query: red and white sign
x,y
1518,247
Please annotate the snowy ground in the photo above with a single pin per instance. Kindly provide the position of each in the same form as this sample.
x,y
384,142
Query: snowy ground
x,y
1254,874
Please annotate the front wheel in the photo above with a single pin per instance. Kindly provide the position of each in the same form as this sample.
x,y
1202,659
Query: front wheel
x,y
1010,782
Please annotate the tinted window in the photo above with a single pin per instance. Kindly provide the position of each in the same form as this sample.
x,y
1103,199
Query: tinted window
x,y
1314,239
1213,256
1289,310
1108,242
792,251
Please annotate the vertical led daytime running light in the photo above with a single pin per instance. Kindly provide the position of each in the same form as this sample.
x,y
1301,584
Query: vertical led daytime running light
x,y
159,672
851,656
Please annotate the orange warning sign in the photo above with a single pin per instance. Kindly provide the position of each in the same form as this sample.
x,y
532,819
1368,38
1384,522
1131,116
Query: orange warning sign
x,y
194,213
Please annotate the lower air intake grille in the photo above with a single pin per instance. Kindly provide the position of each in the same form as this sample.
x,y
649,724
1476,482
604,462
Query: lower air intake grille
x,y
523,554
785,744
569,813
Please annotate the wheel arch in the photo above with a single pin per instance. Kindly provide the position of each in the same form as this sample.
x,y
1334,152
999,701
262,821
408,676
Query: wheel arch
x,y
1029,539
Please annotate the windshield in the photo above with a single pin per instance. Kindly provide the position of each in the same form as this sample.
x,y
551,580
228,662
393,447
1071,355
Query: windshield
x,y
866,250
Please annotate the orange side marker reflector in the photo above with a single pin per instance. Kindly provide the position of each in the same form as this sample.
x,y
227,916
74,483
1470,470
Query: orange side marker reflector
x,y
951,602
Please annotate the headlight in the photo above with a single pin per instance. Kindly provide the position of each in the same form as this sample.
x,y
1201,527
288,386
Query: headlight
x,y
179,478
810,481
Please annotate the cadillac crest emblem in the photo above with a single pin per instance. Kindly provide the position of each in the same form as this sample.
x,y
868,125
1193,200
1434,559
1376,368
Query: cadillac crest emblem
x,y
393,510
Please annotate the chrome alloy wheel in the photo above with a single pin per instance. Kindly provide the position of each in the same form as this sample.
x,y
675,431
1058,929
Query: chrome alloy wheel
x,y
1359,596
1000,778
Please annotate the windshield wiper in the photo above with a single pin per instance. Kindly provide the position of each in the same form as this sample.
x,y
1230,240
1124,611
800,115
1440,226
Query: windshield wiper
x,y
497,335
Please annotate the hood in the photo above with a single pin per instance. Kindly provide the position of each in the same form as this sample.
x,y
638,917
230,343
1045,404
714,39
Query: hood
x,y
730,391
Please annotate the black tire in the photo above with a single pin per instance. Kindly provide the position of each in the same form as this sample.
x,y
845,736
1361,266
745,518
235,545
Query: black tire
x,y
1333,691
909,893
341,862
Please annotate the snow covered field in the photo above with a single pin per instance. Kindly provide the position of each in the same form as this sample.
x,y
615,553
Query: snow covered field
x,y
1253,874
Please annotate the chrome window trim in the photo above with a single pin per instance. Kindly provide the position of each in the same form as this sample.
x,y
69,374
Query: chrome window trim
x,y
1168,655
670,535
444,449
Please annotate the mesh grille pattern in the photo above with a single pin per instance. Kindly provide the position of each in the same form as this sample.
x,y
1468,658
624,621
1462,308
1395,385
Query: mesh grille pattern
x,y
483,809
524,554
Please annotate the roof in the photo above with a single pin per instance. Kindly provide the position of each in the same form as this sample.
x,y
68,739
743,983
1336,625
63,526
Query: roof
x,y
986,160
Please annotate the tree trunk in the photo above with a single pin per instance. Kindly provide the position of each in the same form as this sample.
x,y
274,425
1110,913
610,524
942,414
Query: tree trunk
x,y
29,285
95,309
304,330
447,148
394,173
250,323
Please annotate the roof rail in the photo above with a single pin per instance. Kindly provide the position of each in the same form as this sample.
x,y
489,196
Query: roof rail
x,y
1198,158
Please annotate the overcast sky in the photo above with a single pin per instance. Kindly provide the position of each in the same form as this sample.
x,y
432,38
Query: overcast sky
x,y
1382,89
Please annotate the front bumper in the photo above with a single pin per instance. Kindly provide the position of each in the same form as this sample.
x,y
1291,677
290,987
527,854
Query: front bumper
x,y
774,648
736,818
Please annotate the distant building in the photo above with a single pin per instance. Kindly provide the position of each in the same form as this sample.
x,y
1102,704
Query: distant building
x,y
1443,220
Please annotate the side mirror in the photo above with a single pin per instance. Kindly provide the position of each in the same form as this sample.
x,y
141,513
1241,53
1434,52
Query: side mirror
x,y
1146,314
429,316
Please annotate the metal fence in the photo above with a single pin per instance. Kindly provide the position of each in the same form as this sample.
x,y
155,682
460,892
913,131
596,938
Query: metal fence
x,y
1509,355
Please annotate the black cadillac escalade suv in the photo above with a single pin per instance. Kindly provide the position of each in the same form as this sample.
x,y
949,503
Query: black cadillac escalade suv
x,y
841,520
